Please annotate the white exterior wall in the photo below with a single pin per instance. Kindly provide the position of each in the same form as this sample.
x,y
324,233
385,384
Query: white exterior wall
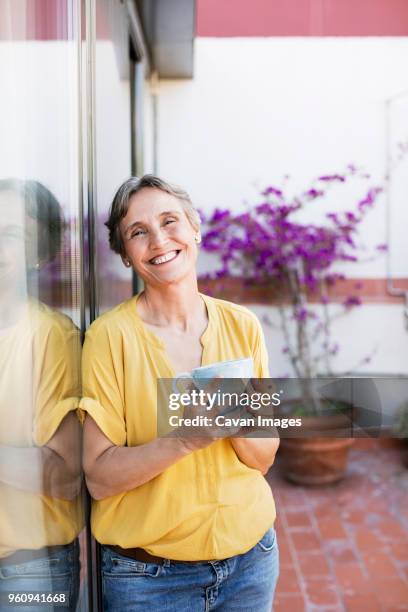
x,y
374,330
260,108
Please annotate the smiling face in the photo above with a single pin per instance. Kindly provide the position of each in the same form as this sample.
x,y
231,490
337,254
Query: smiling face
x,y
158,239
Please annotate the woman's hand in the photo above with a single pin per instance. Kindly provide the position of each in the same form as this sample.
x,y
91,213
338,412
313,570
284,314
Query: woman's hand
x,y
200,436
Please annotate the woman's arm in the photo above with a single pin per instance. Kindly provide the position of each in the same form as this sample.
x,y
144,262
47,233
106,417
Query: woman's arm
x,y
257,453
111,469
53,470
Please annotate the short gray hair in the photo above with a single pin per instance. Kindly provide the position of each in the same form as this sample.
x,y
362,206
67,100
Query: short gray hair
x,y
121,200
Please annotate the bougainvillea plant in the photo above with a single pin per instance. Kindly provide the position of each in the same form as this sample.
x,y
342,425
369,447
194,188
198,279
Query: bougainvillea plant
x,y
269,241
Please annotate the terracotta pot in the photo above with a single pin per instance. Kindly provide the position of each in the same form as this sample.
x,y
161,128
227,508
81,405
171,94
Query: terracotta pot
x,y
318,458
315,461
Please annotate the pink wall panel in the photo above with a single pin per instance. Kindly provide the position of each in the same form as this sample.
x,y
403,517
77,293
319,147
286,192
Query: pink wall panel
x,y
366,17
225,18
46,20
34,20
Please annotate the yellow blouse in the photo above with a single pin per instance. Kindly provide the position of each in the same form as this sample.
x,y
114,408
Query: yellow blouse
x,y
39,385
208,505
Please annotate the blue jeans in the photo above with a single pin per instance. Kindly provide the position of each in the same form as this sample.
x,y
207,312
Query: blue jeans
x,y
58,572
244,583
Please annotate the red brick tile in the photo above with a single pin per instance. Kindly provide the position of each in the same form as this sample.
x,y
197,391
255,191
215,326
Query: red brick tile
x,y
288,581
295,506
392,529
321,593
332,529
347,498
284,550
340,551
399,551
351,579
380,565
305,540
278,524
282,536
359,552
298,519
392,593
293,498
313,564
366,602
281,533
289,604
379,506
367,540
355,517
324,510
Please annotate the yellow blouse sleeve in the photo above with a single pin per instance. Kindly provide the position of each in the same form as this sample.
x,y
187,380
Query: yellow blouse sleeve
x,y
260,355
56,358
102,384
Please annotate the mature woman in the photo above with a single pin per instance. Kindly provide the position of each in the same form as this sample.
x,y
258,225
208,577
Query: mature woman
x,y
186,525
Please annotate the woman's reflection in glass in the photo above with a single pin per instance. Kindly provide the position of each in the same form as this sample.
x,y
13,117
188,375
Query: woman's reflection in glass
x,y
40,476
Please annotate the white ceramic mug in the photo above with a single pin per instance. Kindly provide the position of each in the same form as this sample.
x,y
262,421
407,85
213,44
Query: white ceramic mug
x,y
235,368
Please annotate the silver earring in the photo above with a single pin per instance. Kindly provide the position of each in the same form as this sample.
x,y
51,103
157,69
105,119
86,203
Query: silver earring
x,y
197,238
127,264
37,265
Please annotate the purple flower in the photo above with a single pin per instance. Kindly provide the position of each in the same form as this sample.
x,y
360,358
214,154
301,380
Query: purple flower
x,y
334,217
334,349
272,191
301,314
369,200
382,247
351,301
221,273
268,241
265,209
219,215
312,194
332,177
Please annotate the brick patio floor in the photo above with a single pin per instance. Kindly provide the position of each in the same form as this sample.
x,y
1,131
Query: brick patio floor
x,y
345,547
